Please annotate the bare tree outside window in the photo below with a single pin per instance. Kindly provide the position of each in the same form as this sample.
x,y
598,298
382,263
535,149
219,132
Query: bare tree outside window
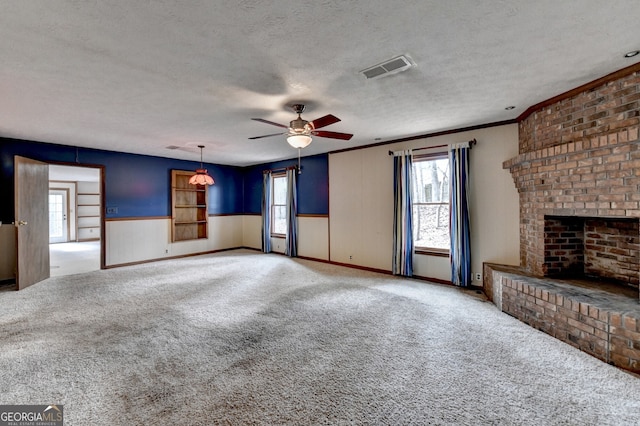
x,y
430,191
279,205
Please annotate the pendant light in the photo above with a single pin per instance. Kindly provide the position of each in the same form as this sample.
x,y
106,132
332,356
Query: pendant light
x,y
201,177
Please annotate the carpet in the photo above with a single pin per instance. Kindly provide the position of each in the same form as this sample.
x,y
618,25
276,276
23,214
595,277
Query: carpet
x,y
242,337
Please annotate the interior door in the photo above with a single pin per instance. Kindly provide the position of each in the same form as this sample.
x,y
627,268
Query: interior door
x,y
58,213
31,184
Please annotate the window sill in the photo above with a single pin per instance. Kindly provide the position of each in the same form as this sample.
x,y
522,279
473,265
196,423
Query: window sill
x,y
432,252
283,236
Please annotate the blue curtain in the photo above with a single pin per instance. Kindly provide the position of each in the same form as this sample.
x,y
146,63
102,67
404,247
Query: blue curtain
x,y
402,215
291,241
459,216
266,212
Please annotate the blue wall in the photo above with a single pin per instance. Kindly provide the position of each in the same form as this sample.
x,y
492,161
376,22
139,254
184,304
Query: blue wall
x,y
313,185
140,185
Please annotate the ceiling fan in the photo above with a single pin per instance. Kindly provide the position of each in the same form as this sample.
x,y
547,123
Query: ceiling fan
x,y
300,131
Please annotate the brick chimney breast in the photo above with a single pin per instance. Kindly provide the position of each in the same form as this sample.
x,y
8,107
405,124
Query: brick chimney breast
x,y
580,158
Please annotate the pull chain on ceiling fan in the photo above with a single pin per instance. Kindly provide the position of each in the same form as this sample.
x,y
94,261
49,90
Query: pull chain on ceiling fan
x,y
299,131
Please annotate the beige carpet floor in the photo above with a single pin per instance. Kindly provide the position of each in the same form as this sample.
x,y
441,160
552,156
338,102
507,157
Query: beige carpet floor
x,y
242,337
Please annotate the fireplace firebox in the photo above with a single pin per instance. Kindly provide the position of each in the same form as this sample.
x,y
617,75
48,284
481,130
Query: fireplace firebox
x,y
593,248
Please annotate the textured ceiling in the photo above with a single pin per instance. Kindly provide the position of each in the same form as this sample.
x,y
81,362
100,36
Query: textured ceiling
x,y
137,76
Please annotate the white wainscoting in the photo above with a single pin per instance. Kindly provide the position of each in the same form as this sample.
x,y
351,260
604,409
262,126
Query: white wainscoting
x,y
252,231
313,236
130,241
225,232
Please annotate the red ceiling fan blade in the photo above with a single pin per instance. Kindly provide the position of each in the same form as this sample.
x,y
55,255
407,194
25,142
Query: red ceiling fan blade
x,y
324,121
270,122
332,135
266,136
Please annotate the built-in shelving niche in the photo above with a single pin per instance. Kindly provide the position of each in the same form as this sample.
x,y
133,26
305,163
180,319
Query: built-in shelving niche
x,y
189,212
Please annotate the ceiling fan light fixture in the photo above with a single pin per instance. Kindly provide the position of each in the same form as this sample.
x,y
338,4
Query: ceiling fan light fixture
x,y
299,141
201,177
299,132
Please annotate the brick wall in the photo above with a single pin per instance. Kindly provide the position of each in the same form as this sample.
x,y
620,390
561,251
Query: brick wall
x,y
579,156
598,111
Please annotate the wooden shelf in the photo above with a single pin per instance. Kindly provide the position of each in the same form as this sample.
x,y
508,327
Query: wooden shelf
x,y
189,212
88,211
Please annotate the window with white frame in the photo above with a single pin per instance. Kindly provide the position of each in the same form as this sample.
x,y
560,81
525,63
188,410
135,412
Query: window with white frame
x,y
279,205
430,196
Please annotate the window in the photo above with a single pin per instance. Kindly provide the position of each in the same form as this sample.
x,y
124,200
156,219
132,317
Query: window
x,y
430,191
279,205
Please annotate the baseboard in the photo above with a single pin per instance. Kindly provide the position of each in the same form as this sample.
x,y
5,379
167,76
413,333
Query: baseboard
x,y
313,259
380,271
158,259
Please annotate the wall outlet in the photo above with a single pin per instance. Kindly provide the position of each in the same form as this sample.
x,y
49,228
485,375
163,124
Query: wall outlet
x,y
112,210
478,276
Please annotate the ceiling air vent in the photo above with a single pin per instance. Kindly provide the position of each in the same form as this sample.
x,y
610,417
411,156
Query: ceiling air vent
x,y
392,66
172,147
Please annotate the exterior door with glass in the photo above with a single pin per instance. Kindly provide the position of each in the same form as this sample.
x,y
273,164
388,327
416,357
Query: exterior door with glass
x,y
58,214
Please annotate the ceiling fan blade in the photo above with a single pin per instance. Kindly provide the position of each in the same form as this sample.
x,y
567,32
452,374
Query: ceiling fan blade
x,y
324,121
270,122
333,135
266,136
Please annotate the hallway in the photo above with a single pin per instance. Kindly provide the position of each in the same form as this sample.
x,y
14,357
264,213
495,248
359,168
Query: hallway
x,y
74,258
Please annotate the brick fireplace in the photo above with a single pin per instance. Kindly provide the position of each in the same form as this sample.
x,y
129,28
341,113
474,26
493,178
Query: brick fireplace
x,y
578,179
579,159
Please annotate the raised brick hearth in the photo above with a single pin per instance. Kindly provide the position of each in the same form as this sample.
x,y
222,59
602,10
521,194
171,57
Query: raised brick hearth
x,y
594,320
578,179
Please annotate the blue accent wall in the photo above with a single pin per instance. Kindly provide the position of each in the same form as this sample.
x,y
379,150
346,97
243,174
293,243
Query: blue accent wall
x,y
313,185
138,185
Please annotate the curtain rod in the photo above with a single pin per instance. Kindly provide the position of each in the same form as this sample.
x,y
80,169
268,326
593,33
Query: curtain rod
x,y
280,169
471,143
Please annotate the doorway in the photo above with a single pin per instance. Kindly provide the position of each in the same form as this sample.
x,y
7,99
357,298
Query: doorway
x,y
75,219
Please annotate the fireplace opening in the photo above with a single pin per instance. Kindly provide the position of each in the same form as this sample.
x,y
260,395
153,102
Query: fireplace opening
x,y
600,249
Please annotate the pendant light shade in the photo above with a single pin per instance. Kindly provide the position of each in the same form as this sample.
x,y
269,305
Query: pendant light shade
x,y
201,177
